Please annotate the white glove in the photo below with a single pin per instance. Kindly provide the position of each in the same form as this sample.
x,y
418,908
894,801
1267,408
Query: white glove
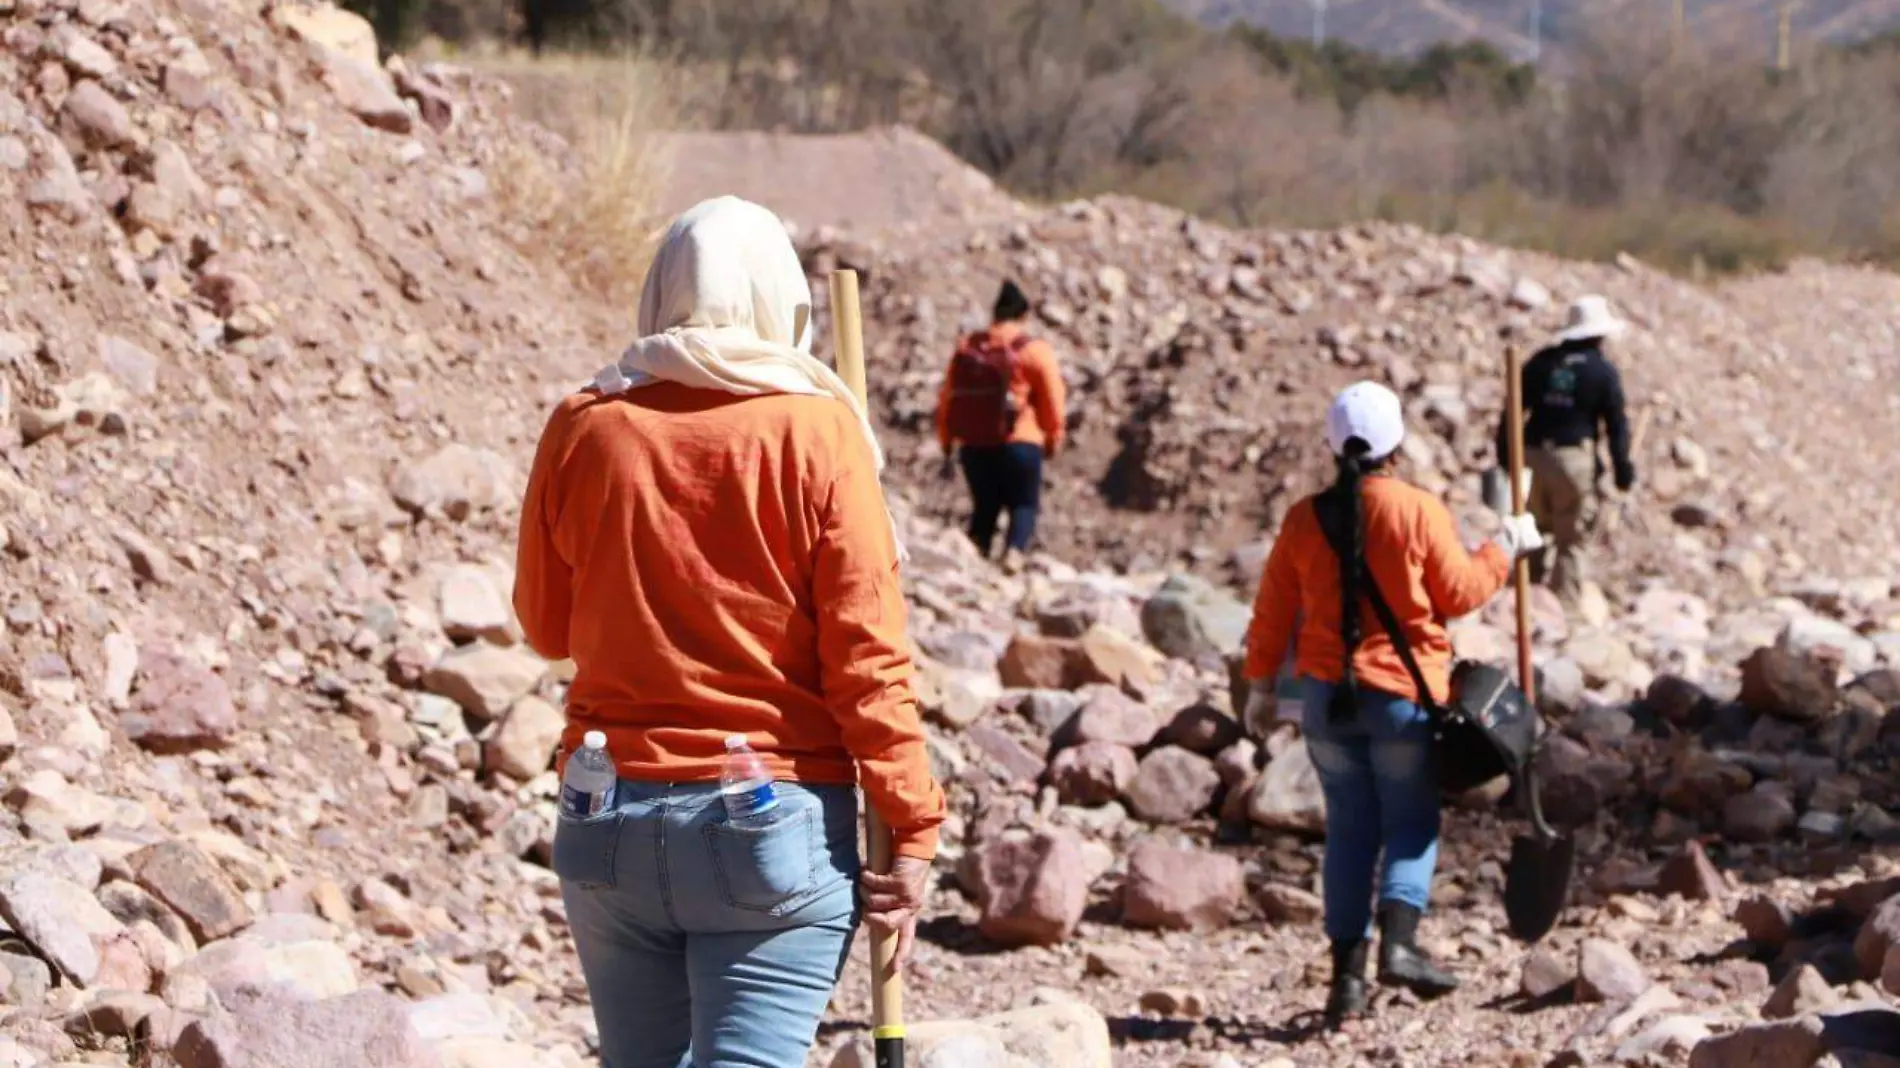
x,y
1518,536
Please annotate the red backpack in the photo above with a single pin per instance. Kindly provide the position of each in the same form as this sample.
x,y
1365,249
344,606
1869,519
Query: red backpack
x,y
982,405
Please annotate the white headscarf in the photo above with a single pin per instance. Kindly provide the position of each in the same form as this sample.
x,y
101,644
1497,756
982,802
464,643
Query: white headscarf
x,y
726,307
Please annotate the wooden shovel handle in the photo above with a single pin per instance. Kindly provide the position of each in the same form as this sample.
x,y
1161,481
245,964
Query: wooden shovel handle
x,y
1521,570
887,983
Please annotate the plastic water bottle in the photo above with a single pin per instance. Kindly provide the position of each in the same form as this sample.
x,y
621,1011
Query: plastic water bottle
x,y
743,783
588,787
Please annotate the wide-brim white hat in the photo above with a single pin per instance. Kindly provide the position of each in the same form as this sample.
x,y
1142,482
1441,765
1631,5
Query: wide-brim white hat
x,y
1590,317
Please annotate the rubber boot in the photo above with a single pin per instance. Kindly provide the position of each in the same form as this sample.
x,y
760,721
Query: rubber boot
x,y
1401,962
1347,998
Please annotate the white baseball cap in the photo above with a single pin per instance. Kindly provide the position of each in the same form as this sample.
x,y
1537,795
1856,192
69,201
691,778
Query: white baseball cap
x,y
1370,412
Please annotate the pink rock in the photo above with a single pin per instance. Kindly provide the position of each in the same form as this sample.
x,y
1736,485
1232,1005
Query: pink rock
x,y
1032,888
1180,889
179,706
369,1029
1093,773
1114,717
1172,785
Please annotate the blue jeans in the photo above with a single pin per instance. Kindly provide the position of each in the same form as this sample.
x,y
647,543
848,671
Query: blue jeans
x,y
1381,788
1003,477
706,945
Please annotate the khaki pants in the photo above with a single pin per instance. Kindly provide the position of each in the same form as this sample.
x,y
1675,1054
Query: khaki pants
x,y
1564,502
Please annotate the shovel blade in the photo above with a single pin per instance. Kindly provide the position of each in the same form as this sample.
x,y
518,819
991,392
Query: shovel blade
x,y
1537,883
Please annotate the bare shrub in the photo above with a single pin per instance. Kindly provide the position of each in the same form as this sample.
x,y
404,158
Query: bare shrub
x,y
595,212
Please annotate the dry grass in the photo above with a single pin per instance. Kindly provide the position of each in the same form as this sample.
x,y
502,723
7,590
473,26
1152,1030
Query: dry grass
x,y
597,211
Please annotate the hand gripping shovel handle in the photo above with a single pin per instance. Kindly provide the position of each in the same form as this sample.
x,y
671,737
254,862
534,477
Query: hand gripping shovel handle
x,y
887,984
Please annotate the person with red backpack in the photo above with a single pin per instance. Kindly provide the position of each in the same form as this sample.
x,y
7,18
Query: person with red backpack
x,y
1002,410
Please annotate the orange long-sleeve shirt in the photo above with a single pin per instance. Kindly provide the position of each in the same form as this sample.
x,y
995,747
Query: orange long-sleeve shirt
x,y
1413,552
720,565
1042,403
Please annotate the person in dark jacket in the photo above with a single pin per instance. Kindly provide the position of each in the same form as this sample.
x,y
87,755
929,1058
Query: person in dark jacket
x,y
1572,394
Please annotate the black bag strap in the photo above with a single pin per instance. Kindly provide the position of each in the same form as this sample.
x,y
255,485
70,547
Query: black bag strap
x,y
1388,619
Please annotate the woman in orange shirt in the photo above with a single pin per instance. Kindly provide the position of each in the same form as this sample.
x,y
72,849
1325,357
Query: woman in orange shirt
x,y
1366,728
704,535
1002,454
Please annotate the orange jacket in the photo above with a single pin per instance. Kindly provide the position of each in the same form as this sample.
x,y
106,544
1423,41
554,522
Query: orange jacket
x,y
1041,398
1413,552
720,565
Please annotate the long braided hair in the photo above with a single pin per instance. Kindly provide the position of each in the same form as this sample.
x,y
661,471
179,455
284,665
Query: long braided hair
x,y
1345,507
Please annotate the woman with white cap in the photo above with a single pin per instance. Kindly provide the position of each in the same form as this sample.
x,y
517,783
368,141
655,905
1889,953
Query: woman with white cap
x,y
704,536
1369,738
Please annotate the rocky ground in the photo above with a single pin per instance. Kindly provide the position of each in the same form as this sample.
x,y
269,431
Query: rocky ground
x,y
274,784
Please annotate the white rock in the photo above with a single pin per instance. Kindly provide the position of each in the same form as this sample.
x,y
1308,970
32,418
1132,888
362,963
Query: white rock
x,y
473,607
524,744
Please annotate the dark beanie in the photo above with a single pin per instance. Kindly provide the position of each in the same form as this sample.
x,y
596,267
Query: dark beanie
x,y
1011,303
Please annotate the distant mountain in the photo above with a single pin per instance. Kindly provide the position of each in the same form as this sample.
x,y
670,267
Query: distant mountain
x,y
1413,25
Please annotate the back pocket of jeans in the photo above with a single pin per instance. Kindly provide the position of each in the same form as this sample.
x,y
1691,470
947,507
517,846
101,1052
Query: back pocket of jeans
x,y
765,868
584,850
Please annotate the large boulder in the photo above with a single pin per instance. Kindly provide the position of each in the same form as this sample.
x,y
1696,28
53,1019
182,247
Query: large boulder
x,y
1802,991
1605,659
1056,1031
523,746
1691,874
328,26
192,885
1180,889
1679,702
1172,785
962,697
368,1029
95,115
1760,815
1033,662
455,482
1110,716
1077,610
485,679
1786,1044
1879,933
1788,685
60,919
1093,773
1005,757
1188,619
1287,795
1606,971
308,968
472,605
1032,888
1829,640
1111,658
1202,728
179,706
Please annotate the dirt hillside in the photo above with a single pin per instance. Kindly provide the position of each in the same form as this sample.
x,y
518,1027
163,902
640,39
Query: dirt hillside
x,y
874,182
